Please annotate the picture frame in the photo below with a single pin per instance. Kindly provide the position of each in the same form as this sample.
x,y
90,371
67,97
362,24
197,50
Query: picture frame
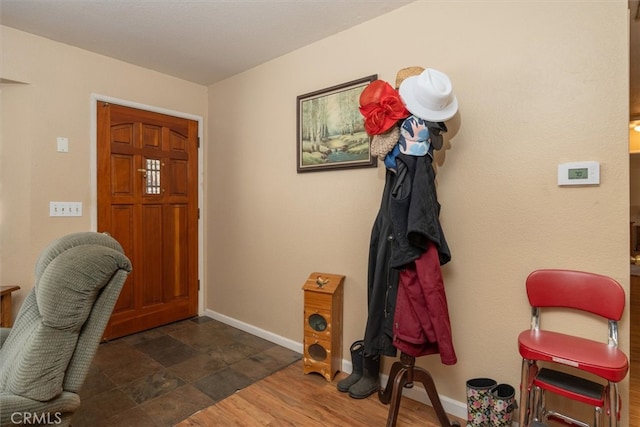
x,y
330,129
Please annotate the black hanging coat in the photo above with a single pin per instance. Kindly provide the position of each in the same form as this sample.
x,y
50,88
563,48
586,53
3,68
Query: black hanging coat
x,y
407,222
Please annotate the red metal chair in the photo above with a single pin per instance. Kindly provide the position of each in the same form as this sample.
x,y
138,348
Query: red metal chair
x,y
584,292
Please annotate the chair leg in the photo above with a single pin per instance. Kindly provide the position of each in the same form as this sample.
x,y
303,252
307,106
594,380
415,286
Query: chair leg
x,y
524,417
597,416
535,404
614,405
541,408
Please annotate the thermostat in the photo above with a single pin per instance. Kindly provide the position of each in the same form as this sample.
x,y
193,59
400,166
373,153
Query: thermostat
x,y
579,173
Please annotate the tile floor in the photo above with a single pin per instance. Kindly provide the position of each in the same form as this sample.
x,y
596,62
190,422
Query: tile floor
x,y
160,377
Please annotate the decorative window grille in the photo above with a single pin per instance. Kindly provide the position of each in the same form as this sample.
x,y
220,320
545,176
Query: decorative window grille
x,y
153,176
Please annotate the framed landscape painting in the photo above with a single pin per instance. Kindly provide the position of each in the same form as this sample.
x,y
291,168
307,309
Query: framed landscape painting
x,y
330,129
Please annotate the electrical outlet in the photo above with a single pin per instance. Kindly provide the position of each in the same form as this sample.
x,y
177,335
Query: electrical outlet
x,y
65,208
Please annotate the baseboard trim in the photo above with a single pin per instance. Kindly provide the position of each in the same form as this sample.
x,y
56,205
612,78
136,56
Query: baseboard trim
x,y
417,393
254,330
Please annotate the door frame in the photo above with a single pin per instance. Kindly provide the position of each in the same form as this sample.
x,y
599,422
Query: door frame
x,y
93,159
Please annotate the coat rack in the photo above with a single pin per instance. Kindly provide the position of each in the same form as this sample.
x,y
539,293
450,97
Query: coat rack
x,y
402,375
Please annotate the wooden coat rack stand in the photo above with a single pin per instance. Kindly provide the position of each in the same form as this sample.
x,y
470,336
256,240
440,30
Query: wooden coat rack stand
x,y
402,375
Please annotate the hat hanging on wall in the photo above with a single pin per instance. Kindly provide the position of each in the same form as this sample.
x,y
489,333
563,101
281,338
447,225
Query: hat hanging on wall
x,y
429,96
381,107
383,143
414,137
402,74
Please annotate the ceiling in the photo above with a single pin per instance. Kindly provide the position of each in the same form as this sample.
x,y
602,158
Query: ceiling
x,y
203,41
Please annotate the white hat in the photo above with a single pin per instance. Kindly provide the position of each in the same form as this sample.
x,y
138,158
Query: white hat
x,y
429,96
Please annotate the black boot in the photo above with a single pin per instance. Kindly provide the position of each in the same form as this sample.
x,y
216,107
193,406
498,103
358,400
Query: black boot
x,y
357,353
368,384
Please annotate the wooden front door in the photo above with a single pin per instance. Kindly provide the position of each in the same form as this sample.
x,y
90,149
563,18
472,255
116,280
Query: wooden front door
x,y
148,201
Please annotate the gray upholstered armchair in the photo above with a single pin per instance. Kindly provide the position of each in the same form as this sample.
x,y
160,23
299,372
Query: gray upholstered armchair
x,y
45,357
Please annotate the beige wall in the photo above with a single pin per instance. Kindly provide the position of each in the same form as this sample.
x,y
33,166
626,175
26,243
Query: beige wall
x,y
56,101
538,83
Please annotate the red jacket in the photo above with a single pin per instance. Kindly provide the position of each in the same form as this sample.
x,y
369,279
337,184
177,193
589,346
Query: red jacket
x,y
421,323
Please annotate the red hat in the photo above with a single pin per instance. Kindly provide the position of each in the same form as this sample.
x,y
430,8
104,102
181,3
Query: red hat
x,y
381,107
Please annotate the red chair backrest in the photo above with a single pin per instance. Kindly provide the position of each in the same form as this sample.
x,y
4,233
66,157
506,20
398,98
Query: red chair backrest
x,y
600,295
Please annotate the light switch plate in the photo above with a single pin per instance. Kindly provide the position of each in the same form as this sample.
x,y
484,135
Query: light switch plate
x,y
62,144
65,208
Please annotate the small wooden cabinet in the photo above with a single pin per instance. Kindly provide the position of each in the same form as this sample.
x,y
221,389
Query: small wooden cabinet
x,y
323,301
